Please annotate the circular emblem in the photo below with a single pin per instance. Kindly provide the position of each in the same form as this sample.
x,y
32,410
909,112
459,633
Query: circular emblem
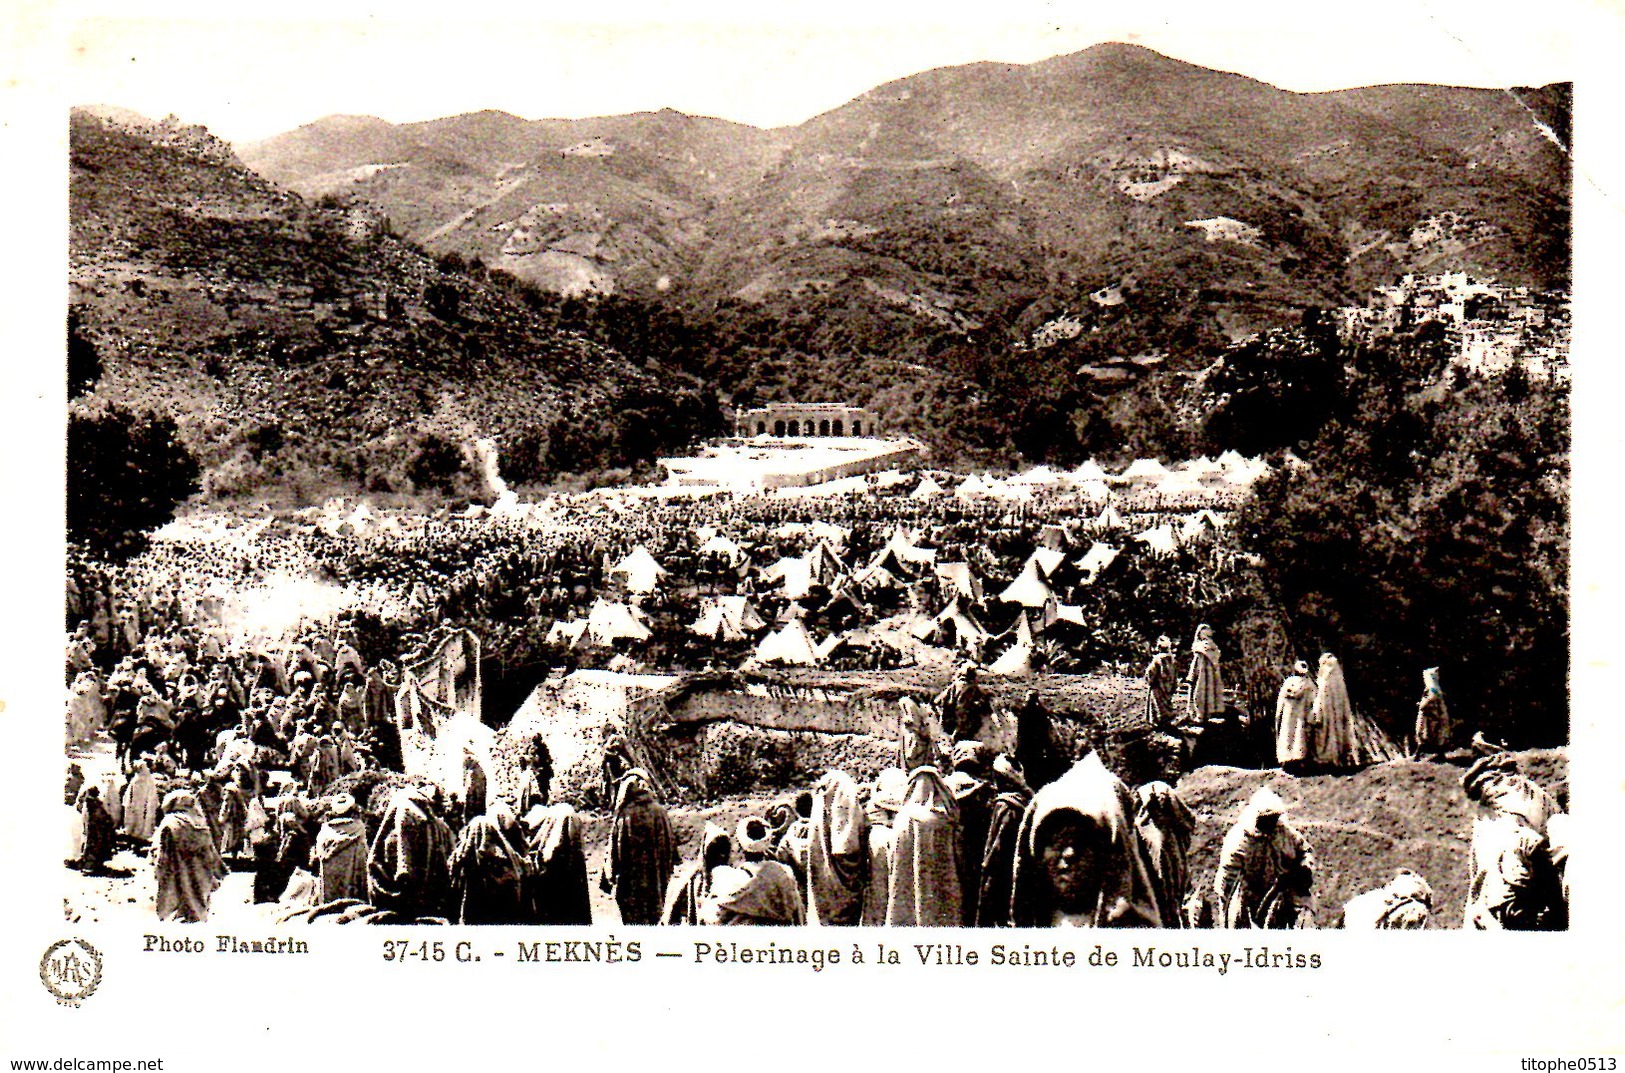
x,y
71,970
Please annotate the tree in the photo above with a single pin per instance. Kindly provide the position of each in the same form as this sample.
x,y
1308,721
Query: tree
x,y
1432,531
126,475
84,363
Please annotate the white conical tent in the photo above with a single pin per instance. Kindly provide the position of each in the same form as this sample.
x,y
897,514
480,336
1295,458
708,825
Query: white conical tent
x,y
728,618
718,544
964,624
1098,558
1160,540
1029,589
567,633
927,487
834,535
794,573
902,543
1212,518
1016,662
792,644
640,569
1047,560
610,622
1088,471
1194,528
1203,466
823,565
972,486
1232,459
958,579
1146,468
1110,519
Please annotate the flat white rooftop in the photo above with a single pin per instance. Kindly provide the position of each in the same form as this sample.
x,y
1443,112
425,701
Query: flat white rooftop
x,y
768,462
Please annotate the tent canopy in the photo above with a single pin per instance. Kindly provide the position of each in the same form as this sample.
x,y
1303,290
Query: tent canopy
x,y
792,644
958,579
1097,558
641,570
611,622
928,486
728,618
1029,589
1160,540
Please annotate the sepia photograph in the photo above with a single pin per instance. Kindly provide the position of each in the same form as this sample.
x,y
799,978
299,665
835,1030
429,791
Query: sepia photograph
x,y
991,471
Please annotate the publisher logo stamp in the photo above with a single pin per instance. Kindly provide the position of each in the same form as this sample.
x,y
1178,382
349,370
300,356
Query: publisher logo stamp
x,y
71,970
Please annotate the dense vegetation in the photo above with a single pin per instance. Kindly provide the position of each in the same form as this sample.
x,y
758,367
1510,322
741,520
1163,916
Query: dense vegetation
x,y
126,474
1430,528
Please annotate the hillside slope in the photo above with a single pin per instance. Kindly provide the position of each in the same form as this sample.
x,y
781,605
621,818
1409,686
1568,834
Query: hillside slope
x,y
304,347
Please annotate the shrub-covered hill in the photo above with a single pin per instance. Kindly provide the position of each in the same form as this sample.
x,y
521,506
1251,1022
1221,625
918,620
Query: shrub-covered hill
x,y
303,348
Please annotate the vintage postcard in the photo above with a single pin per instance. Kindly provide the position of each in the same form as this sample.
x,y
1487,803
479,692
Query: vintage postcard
x,y
1101,511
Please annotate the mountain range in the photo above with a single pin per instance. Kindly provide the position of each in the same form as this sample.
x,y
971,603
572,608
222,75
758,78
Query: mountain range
x,y
352,305
1102,185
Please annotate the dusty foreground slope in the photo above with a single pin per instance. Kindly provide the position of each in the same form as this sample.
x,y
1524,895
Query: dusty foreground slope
x,y
1363,827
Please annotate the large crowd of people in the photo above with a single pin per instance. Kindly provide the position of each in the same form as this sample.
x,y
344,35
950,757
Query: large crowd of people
x,y
263,737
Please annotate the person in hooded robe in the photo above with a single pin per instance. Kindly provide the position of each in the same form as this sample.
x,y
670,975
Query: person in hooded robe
x,y
973,796
295,843
73,784
1266,868
1515,884
642,851
759,890
1040,761
340,853
327,762
1294,719
794,841
1403,904
87,710
926,872
1165,825
100,829
1000,846
232,820
558,866
1161,679
537,785
616,763
964,706
693,883
880,811
488,869
409,863
1496,782
1336,735
1078,860
186,863
141,804
916,740
837,852
1206,681
1435,732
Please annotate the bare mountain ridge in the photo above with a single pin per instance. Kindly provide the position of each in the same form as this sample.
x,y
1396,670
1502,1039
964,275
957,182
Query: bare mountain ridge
x,y
985,194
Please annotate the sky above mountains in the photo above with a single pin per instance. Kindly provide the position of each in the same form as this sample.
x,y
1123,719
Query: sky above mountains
x,y
768,65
